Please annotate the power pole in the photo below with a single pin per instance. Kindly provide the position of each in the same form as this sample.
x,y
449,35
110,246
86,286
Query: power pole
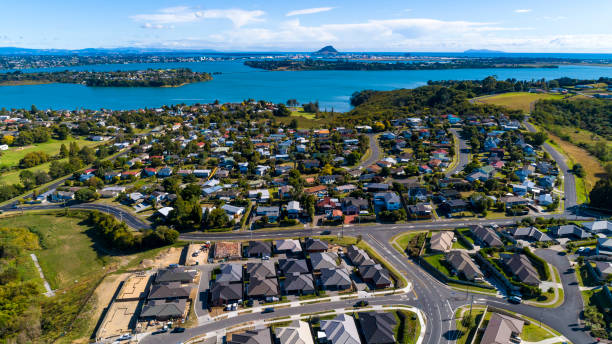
x,y
471,303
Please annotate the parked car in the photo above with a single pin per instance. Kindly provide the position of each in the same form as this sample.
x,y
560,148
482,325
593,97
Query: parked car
x,y
515,299
268,310
124,337
178,330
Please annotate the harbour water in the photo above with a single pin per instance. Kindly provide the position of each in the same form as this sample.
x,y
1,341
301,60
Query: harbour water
x,y
237,82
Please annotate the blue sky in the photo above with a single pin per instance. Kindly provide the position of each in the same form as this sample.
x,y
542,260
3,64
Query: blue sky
x,y
275,25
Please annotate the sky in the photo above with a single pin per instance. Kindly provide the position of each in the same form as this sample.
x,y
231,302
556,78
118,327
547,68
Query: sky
x,y
281,25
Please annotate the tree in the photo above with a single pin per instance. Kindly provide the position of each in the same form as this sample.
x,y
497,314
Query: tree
x,y
217,218
27,179
86,195
8,139
63,151
281,111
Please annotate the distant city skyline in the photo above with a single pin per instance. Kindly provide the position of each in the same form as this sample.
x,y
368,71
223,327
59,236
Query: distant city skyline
x,y
393,26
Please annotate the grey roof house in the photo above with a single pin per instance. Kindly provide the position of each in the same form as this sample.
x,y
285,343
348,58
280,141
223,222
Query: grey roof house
x,y
335,279
378,327
297,283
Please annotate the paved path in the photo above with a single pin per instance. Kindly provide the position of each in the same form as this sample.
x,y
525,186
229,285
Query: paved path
x,y
50,291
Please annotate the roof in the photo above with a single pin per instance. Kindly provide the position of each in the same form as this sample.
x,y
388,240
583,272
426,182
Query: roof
x,y
230,273
500,328
169,290
226,291
261,336
377,327
316,245
486,235
530,233
441,241
292,245
598,226
298,332
375,274
261,270
175,274
164,309
262,287
323,260
289,266
259,248
299,282
358,256
521,267
460,261
338,277
341,330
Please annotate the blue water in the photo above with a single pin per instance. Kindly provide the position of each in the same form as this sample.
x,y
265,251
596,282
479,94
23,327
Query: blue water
x,y
332,89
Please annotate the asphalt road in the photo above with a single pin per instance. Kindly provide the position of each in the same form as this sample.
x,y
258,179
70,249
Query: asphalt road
x,y
569,183
464,156
375,153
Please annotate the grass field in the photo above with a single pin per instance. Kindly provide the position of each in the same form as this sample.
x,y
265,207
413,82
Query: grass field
x,y
12,156
299,112
516,100
68,254
576,155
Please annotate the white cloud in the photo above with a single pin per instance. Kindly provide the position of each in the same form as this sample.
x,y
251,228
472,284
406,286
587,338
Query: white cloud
x,y
156,26
309,11
184,14
524,10
237,16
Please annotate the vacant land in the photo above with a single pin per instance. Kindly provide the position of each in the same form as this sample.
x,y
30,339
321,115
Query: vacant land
x,y
12,156
576,155
517,100
68,254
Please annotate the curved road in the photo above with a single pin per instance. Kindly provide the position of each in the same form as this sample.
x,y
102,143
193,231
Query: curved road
x,y
375,153
464,156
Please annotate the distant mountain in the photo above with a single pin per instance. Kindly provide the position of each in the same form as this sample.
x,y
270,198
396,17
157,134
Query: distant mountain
x,y
483,51
327,50
93,51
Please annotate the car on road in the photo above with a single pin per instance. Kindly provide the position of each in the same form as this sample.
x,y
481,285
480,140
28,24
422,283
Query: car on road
x,y
163,330
124,337
362,303
178,330
326,233
515,299
268,310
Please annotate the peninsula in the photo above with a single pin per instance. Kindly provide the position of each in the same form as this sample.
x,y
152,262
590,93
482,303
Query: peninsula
x,y
135,78
345,64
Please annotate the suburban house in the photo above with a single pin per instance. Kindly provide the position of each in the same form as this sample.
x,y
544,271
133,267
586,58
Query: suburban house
x,y
486,235
501,328
358,256
224,293
262,288
315,245
419,211
604,246
569,231
290,266
288,246
271,212
390,200
341,330
441,241
603,270
262,270
259,249
297,332
520,266
335,279
177,274
528,233
230,273
323,260
463,264
375,275
163,310
298,283
353,205
378,327
261,336
598,226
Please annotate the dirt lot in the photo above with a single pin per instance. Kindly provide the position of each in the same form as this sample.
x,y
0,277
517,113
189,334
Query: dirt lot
x,y
202,255
165,258
118,319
